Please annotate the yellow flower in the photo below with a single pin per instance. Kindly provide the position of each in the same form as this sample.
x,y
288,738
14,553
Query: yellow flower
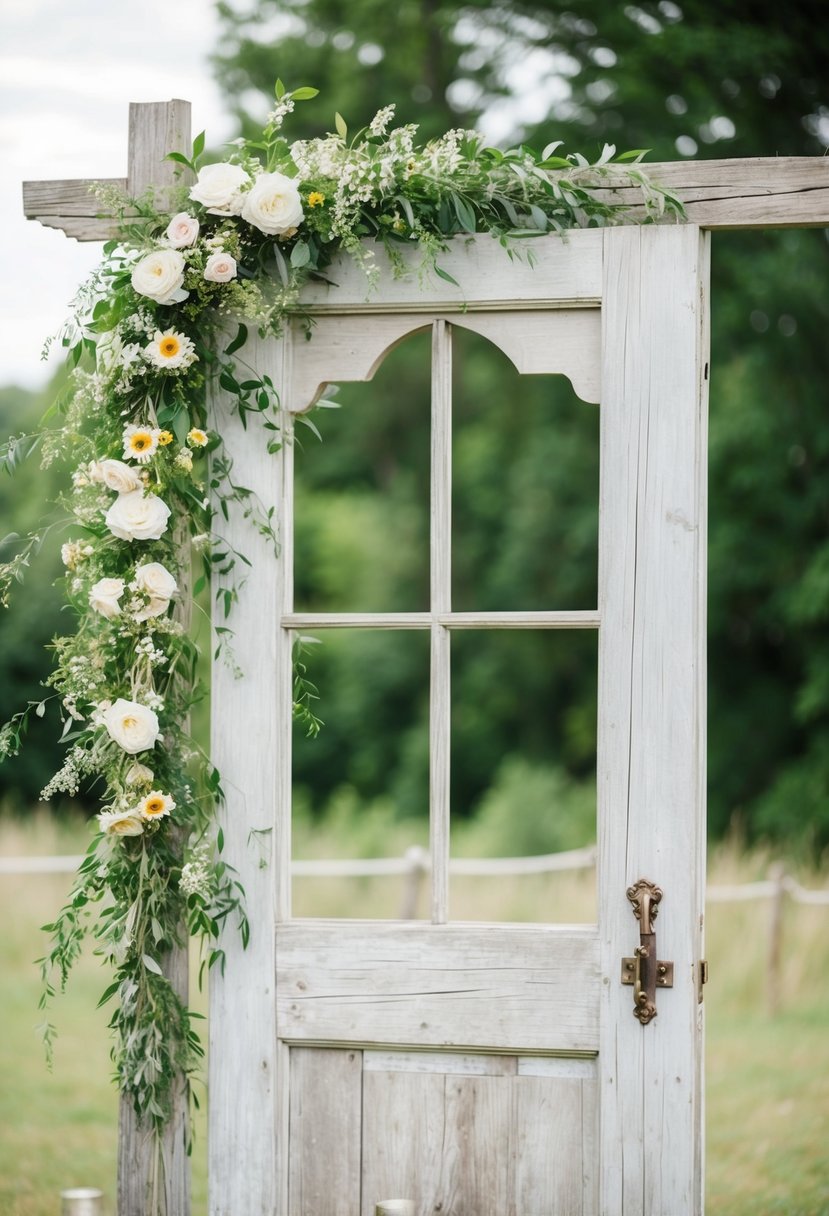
x,y
165,437
315,199
196,438
156,805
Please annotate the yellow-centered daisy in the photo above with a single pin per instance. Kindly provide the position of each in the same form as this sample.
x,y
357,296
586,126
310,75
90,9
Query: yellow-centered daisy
x,y
197,438
140,443
156,805
171,350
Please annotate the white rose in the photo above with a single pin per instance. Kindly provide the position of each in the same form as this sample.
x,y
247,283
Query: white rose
x,y
158,583
104,596
159,276
115,475
220,267
132,726
273,204
219,187
182,230
138,774
121,823
137,516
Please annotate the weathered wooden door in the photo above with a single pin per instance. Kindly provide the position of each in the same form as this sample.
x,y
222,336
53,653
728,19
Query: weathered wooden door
x,y
486,1069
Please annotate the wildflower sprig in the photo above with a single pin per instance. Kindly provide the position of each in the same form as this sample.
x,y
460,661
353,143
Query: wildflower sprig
x,y
148,339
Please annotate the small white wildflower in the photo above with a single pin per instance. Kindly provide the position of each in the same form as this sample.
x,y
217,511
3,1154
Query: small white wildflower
x,y
381,121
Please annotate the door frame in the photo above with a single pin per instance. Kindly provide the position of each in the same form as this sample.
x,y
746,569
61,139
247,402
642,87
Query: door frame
x,y
651,284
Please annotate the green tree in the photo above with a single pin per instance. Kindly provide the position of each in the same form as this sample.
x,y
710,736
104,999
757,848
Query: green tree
x,y
33,618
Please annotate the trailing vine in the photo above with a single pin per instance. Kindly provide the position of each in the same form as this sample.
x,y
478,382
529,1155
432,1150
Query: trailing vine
x,y
147,342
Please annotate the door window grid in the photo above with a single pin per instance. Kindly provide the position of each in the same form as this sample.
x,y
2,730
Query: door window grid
x,y
440,620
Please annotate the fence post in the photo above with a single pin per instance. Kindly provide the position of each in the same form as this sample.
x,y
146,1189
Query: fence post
x,y
777,874
418,860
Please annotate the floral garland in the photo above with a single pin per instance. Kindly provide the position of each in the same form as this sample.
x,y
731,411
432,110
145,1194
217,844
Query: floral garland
x,y
146,340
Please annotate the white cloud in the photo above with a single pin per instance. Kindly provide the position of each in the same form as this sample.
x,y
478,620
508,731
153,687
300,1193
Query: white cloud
x,y
67,74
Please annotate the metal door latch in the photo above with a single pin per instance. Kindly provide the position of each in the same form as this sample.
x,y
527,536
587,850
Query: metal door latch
x,y
645,971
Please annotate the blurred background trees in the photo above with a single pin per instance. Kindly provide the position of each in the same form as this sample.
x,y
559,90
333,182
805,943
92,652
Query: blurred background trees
x,y
689,79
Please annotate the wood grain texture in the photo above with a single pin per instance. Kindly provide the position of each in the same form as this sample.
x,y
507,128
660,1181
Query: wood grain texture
x,y
577,619
478,1141
496,987
403,1134
351,347
567,271
564,341
247,1091
156,128
325,1132
65,198
651,746
750,192
440,564
344,348
550,1158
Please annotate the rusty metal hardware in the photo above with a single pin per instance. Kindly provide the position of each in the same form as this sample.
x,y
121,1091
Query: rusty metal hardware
x,y
645,971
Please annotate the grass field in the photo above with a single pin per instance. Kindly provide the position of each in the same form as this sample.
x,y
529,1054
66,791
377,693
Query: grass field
x,y
768,1078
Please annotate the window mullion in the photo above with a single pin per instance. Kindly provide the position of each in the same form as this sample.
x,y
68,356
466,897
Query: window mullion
x,y
441,604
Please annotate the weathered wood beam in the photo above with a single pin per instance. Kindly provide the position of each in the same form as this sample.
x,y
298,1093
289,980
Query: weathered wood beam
x,y
750,192
155,128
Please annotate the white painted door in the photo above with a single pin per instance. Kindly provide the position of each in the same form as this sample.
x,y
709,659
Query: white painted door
x,y
485,1069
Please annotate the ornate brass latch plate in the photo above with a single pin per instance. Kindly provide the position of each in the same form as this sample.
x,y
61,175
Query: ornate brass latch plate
x,y
645,971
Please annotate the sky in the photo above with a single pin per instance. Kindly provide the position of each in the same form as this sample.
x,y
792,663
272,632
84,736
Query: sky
x,y
68,71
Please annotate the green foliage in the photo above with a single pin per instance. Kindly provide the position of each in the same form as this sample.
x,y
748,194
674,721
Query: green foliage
x,y
530,809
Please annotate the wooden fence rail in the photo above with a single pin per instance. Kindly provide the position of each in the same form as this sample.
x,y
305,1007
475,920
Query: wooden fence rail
x,y
416,859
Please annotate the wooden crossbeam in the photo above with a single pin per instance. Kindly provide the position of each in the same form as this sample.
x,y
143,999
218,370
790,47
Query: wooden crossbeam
x,y
747,192
155,128
752,192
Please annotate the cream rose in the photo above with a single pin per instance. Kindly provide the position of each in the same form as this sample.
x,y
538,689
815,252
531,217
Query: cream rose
x,y
132,726
138,774
159,276
220,267
137,516
104,596
156,582
273,204
121,823
219,188
182,230
115,475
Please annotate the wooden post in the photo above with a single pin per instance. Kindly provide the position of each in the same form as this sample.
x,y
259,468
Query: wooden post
x,y
777,874
153,1176
418,860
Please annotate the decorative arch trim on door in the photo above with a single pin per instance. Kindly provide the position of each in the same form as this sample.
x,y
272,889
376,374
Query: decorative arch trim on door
x,y
564,341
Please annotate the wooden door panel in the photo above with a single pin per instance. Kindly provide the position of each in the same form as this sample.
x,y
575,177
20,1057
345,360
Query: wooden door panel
x,y
495,987
456,1134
